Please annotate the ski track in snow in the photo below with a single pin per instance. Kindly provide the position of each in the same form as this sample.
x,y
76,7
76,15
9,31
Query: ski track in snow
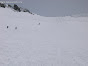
x,y
42,41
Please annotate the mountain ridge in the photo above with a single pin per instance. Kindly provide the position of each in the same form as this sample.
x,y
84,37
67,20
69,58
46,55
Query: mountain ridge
x,y
15,7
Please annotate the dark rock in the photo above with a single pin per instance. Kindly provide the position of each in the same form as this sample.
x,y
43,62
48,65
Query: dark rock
x,y
16,8
2,5
10,6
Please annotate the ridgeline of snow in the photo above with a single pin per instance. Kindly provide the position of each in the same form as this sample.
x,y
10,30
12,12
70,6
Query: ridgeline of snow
x,y
33,40
15,8
80,15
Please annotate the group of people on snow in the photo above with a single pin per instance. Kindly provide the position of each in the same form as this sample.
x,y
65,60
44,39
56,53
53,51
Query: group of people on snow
x,y
8,27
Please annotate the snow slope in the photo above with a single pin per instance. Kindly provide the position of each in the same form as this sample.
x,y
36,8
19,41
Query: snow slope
x,y
42,41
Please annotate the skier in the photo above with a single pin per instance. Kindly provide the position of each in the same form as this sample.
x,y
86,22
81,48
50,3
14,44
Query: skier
x,y
7,27
15,27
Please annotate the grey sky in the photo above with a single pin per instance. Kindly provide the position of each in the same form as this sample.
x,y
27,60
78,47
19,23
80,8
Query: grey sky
x,y
56,7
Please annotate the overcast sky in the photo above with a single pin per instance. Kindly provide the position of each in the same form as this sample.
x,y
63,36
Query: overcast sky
x,y
56,7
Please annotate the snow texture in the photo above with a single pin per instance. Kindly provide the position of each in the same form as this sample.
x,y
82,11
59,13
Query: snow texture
x,y
33,40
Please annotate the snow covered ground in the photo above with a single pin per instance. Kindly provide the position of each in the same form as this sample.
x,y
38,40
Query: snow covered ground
x,y
33,40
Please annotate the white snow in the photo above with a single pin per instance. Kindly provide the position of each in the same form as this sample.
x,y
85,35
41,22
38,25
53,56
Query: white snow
x,y
42,41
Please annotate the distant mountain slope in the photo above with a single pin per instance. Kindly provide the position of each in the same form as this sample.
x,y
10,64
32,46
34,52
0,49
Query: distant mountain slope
x,y
15,8
33,40
81,15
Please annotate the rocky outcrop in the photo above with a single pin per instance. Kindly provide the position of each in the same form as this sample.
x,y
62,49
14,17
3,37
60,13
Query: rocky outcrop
x,y
15,7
